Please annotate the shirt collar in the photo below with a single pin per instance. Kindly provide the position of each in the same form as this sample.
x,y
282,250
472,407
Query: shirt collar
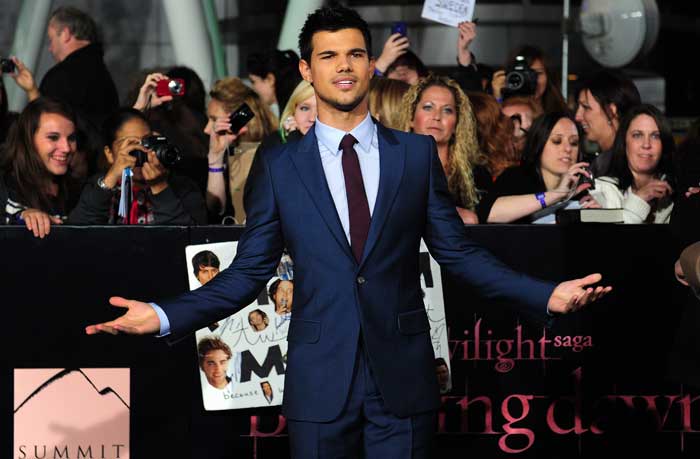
x,y
330,137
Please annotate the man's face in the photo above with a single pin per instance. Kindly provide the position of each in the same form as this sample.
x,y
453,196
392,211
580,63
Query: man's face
x,y
283,297
340,69
443,376
267,389
206,273
214,366
56,45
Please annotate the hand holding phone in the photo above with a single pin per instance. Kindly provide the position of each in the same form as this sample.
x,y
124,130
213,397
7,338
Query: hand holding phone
x,y
239,118
399,27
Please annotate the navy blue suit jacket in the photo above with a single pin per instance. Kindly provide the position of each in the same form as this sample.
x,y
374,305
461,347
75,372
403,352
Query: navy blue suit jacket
x,y
337,301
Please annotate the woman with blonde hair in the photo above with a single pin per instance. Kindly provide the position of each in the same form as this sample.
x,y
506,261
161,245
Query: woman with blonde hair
x,y
297,117
385,96
226,96
437,106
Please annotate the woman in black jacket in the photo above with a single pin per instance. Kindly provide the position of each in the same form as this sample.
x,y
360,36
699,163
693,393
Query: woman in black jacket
x,y
155,195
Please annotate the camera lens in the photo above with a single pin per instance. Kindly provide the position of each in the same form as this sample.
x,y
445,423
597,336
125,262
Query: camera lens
x,y
175,87
515,80
168,155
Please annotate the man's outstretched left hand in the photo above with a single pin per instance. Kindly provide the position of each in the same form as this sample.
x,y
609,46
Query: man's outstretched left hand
x,y
572,295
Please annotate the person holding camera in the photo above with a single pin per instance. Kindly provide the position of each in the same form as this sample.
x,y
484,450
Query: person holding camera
x,y
157,196
535,76
35,188
546,181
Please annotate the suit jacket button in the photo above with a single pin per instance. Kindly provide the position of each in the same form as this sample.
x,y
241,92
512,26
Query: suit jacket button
x,y
360,280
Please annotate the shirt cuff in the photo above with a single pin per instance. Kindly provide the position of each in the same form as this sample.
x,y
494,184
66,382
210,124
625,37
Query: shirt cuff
x,y
164,322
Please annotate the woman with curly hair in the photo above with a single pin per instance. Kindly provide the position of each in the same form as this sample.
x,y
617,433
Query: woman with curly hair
x,y
437,106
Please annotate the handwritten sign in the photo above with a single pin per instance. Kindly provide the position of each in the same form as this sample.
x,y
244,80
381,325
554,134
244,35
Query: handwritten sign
x,y
448,12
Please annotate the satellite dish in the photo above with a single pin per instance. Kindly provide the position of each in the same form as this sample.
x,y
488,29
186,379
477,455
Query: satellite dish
x,y
615,32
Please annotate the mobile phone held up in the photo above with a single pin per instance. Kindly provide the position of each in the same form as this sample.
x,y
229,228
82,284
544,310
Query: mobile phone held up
x,y
7,65
174,87
399,27
239,118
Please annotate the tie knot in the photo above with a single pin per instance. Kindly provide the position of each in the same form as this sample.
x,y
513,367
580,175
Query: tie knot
x,y
348,142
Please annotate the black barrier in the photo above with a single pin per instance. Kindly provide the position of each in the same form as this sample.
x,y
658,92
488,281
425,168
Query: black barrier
x,y
619,377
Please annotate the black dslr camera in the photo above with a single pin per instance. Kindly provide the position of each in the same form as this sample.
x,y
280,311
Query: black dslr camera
x,y
168,155
7,65
521,80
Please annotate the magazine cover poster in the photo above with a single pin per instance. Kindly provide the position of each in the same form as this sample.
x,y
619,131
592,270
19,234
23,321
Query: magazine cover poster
x,y
242,358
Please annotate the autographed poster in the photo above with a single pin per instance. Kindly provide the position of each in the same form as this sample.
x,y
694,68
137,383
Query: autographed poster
x,y
242,358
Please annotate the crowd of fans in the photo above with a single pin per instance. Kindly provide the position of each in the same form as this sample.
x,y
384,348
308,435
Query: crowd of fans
x,y
74,156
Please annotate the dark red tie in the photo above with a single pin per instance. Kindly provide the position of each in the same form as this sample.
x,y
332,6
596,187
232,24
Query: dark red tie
x,y
358,208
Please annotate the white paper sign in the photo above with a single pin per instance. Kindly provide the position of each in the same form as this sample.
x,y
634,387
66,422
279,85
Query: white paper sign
x,y
448,12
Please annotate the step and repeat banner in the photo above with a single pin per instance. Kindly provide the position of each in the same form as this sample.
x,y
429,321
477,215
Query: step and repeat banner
x,y
621,376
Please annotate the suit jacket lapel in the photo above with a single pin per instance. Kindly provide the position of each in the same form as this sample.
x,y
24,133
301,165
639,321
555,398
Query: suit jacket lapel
x,y
392,156
307,161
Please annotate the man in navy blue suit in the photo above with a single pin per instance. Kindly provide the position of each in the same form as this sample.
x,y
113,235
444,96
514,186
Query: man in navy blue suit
x,y
351,201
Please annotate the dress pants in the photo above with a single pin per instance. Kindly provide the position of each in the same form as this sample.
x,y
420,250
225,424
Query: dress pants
x,y
365,427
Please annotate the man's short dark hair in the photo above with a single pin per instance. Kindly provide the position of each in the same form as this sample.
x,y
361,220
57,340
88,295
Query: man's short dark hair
x,y
331,19
205,258
439,361
273,288
212,343
81,25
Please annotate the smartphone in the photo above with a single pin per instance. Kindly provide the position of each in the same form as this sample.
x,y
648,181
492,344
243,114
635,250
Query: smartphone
x,y
7,66
240,118
399,27
174,87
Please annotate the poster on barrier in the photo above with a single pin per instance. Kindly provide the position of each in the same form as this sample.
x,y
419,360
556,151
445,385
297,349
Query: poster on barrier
x,y
243,358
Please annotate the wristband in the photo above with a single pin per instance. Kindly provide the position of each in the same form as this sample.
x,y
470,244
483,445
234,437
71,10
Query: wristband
x,y
377,72
540,198
216,169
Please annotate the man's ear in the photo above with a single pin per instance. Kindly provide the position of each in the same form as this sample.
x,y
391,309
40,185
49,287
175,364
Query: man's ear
x,y
270,78
372,63
305,70
65,35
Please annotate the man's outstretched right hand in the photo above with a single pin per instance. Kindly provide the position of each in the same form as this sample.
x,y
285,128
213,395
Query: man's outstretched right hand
x,y
140,319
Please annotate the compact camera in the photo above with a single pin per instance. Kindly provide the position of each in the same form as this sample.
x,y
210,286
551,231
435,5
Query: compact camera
x,y
521,80
168,155
7,65
174,87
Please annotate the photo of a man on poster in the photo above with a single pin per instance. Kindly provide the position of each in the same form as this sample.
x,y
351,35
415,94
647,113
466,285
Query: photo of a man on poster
x,y
281,294
214,361
267,391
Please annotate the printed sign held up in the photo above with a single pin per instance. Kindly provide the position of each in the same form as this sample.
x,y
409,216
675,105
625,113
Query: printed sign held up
x,y
448,12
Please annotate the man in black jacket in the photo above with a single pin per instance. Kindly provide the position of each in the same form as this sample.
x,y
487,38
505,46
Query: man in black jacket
x,y
80,77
